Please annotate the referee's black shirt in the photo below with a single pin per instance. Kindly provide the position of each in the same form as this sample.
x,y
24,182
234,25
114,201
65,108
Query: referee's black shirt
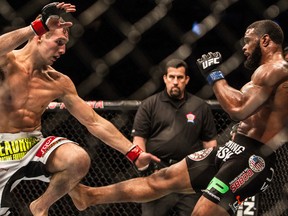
x,y
174,128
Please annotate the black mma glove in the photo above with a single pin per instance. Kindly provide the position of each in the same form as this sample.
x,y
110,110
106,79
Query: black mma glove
x,y
50,10
207,64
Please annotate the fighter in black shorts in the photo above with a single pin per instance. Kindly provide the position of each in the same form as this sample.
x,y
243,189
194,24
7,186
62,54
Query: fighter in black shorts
x,y
244,166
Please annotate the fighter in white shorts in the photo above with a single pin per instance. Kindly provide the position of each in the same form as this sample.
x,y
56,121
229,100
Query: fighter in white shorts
x,y
28,84
23,156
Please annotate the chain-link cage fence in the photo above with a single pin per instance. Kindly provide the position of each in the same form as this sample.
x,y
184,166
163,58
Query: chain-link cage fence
x,y
110,166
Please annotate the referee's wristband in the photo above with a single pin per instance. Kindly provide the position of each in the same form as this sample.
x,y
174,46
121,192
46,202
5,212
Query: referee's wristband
x,y
214,76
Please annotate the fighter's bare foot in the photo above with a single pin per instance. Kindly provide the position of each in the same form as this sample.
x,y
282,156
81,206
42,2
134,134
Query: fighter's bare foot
x,y
36,211
78,196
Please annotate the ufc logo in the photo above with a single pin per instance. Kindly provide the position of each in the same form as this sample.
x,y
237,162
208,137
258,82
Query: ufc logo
x,y
209,62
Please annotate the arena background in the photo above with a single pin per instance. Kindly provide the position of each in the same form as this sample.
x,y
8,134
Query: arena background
x,y
115,54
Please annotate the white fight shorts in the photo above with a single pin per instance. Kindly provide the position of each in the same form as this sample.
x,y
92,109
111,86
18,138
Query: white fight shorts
x,y
22,157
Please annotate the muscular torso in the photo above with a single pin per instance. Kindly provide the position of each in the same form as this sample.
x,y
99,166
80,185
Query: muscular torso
x,y
24,95
271,118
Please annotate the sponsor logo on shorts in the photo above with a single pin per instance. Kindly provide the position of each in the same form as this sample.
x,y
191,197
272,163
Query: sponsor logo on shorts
x,y
234,206
16,149
256,163
238,198
218,185
190,117
241,179
200,155
211,194
48,144
216,189
229,149
248,207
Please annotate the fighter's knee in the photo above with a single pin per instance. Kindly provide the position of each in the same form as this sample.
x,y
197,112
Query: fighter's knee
x,y
152,180
78,160
82,161
158,179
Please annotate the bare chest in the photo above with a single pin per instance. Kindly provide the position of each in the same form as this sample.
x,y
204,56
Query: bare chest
x,y
23,91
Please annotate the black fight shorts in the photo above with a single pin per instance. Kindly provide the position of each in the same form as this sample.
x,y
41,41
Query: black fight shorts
x,y
227,175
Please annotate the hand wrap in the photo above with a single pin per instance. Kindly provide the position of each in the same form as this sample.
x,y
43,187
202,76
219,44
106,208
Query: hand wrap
x,y
214,76
39,26
134,153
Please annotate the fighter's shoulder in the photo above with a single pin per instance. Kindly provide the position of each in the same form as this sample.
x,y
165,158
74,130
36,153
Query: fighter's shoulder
x,y
271,73
8,58
57,76
279,71
54,74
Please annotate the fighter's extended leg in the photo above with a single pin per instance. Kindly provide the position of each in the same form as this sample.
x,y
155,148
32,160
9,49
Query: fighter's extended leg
x,y
143,189
69,164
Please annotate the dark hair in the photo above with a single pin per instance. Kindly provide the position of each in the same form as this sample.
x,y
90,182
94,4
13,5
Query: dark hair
x,y
176,63
268,27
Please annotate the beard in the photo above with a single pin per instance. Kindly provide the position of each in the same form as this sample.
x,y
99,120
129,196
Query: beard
x,y
254,60
175,93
